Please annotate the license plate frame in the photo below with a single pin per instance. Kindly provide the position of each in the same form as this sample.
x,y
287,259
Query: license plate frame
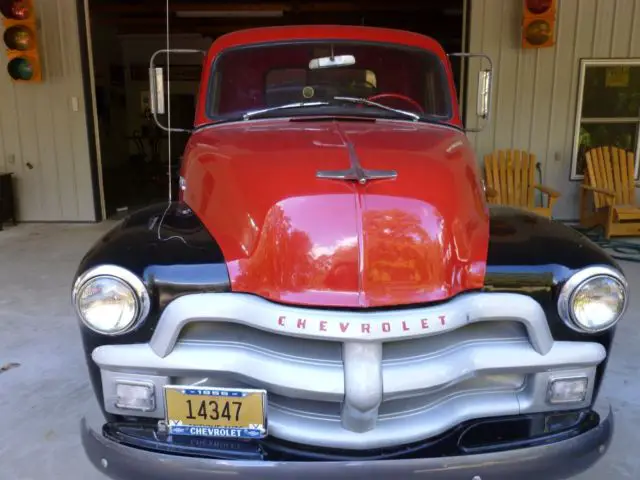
x,y
214,428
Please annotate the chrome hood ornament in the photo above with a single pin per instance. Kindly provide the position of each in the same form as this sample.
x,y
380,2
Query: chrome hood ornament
x,y
356,173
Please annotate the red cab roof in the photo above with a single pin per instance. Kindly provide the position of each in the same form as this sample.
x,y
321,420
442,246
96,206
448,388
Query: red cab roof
x,y
320,32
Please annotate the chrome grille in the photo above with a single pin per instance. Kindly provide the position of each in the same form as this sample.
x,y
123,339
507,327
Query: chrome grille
x,y
360,392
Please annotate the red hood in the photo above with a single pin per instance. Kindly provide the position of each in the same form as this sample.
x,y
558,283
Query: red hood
x,y
292,237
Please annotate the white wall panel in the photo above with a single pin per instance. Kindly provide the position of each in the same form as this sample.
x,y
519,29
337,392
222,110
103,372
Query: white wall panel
x,y
42,139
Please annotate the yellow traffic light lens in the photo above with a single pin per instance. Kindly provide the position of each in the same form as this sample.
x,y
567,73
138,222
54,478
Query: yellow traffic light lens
x,y
19,37
538,32
15,9
20,68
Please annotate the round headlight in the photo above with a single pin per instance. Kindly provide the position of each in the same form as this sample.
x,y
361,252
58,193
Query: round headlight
x,y
593,300
110,300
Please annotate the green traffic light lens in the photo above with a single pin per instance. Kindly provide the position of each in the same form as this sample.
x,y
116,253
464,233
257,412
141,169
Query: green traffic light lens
x,y
19,38
20,69
538,32
15,9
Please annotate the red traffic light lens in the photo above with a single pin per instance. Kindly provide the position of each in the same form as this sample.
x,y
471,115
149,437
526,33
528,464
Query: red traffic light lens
x,y
15,9
19,37
20,69
538,32
538,6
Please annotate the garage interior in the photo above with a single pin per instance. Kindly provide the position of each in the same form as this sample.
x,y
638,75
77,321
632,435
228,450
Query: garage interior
x,y
124,35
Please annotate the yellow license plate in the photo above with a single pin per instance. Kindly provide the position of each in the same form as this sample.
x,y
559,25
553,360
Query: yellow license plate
x,y
216,412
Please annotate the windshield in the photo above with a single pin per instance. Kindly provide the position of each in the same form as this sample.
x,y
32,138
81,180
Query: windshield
x,y
311,78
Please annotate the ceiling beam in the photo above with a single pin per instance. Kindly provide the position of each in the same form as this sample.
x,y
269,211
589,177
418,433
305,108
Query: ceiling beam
x,y
450,35
199,29
354,18
433,24
315,7
159,7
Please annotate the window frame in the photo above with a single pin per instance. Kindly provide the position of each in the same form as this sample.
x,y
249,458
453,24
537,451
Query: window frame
x,y
600,62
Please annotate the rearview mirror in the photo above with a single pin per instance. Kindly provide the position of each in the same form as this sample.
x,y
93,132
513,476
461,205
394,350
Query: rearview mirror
x,y
332,62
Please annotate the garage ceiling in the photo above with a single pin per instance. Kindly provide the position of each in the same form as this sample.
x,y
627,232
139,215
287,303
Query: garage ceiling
x,y
442,18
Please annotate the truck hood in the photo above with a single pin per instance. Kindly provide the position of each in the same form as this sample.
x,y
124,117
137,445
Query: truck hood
x,y
418,234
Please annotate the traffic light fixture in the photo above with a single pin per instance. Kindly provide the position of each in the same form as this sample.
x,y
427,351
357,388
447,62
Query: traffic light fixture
x,y
539,23
20,40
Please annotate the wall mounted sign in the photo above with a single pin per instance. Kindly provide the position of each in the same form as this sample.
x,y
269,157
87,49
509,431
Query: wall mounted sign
x,y
617,77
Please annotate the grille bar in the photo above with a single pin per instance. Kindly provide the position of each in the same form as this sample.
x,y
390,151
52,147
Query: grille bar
x,y
284,376
325,381
345,326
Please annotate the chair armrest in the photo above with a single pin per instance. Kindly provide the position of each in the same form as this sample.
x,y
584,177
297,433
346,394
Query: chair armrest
x,y
603,191
549,191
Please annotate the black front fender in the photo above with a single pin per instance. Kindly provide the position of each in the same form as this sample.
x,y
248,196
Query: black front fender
x,y
170,250
535,256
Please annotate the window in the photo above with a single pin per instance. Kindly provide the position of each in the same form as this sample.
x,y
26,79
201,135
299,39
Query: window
x,y
608,110
254,77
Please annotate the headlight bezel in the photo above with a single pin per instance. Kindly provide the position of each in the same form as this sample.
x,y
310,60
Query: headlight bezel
x,y
124,276
577,281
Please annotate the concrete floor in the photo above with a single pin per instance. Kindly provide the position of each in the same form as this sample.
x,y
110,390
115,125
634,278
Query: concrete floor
x,y
41,400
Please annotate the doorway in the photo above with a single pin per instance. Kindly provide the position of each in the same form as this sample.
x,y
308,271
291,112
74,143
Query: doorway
x,y
134,154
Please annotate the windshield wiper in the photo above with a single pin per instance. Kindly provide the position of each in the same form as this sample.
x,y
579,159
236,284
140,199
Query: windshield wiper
x,y
254,113
361,101
364,101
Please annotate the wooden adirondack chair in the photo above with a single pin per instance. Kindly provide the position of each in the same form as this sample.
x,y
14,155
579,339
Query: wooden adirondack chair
x,y
610,180
510,180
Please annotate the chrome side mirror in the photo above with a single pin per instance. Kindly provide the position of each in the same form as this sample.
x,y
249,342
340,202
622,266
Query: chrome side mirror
x,y
483,101
484,88
156,91
156,88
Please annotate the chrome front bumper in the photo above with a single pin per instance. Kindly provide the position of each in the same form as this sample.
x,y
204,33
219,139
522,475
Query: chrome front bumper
x,y
553,460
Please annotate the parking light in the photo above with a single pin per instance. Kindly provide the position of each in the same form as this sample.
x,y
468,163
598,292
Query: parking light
x,y
567,390
135,396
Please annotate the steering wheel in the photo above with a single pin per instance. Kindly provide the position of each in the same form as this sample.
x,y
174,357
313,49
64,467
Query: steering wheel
x,y
397,96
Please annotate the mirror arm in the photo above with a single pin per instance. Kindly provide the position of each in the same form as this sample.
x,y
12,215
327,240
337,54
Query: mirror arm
x,y
156,86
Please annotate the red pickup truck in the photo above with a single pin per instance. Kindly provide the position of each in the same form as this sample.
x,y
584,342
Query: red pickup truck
x,y
330,295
